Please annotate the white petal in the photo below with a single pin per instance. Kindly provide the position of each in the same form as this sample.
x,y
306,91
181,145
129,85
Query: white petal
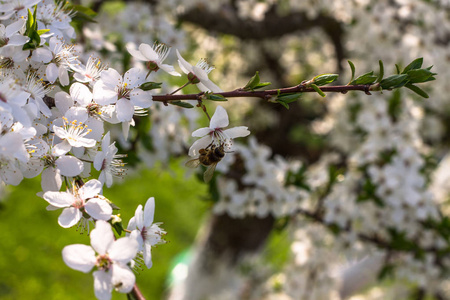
x,y
69,217
77,113
219,119
102,237
98,209
42,55
124,109
61,148
63,101
123,250
51,179
169,69
202,132
134,77
14,27
103,285
139,217
111,78
135,53
79,257
59,199
148,255
103,94
63,76
148,52
199,144
235,132
184,65
51,72
141,98
132,224
81,94
122,278
69,166
149,211
17,40
208,85
90,189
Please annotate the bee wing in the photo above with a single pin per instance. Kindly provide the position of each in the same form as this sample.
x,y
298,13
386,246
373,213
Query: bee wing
x,y
209,172
193,163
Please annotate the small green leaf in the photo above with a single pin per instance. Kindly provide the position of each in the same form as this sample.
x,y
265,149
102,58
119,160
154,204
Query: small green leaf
x,y
367,78
417,90
284,104
116,223
215,97
394,81
147,86
397,68
288,98
419,75
415,64
261,85
252,83
42,31
324,79
318,90
352,67
381,75
181,104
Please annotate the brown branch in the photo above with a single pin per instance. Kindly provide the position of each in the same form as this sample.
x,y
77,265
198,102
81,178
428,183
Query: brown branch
x,y
136,292
239,93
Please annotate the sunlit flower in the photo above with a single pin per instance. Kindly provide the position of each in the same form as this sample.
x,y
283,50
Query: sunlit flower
x,y
198,74
216,134
153,56
109,256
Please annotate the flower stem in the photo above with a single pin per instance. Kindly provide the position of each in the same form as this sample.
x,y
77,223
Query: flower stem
x,y
184,85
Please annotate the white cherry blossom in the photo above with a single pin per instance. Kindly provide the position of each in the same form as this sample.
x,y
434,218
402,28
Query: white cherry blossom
x,y
110,258
153,56
198,74
216,133
79,201
145,231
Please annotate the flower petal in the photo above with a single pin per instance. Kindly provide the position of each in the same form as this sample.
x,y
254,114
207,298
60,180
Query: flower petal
x,y
184,65
199,144
69,166
79,257
219,119
148,52
236,132
102,237
69,217
98,209
59,199
149,211
201,132
123,250
103,285
122,278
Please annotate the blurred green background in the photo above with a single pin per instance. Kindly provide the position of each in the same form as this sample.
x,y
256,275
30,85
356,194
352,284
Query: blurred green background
x,y
31,241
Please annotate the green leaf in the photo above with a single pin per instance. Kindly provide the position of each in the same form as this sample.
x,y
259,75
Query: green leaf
x,y
394,81
261,85
319,91
116,223
181,104
419,75
397,67
381,75
288,98
417,90
147,86
352,67
324,79
284,104
386,271
252,83
215,97
42,31
415,64
367,78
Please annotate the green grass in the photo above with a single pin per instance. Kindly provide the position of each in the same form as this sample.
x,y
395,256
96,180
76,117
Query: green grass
x,y
31,239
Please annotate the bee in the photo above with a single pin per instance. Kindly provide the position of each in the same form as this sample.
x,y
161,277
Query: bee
x,y
209,157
